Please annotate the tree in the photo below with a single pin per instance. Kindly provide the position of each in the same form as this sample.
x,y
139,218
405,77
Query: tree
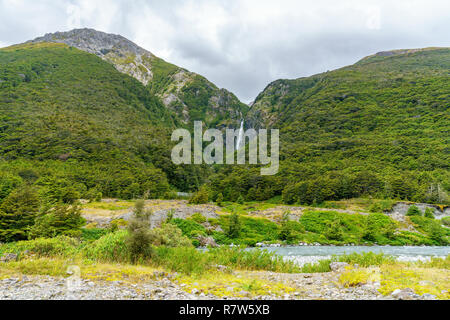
x,y
63,219
429,213
334,231
437,233
240,200
234,226
286,229
17,214
139,240
200,197
219,199
413,211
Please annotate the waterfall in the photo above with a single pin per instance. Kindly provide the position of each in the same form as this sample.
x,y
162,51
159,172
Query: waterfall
x,y
241,134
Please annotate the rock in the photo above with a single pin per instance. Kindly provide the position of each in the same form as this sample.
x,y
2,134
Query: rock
x,y
195,291
404,294
7,257
207,241
338,266
223,268
427,296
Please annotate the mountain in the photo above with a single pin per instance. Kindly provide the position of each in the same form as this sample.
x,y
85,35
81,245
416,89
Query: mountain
x,y
379,127
189,95
71,123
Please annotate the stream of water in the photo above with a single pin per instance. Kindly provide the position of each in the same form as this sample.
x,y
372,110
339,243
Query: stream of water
x,y
307,254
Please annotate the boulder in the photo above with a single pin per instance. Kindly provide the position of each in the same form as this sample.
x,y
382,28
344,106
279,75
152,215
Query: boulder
x,y
7,257
405,294
207,241
338,266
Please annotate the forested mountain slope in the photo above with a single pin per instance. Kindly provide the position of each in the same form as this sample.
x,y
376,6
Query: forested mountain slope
x,y
70,119
379,127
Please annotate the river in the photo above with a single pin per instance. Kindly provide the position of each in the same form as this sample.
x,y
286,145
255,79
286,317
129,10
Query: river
x,y
305,254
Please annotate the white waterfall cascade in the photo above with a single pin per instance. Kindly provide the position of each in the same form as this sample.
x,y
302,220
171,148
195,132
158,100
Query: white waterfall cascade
x,y
241,134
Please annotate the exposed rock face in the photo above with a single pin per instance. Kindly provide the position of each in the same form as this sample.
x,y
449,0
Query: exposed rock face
x,y
125,55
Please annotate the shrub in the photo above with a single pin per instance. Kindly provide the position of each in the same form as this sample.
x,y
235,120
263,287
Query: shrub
x,y
431,227
91,234
286,229
111,247
365,259
234,226
17,213
219,199
241,199
188,226
334,231
413,211
198,217
63,219
429,213
139,239
58,246
378,225
169,235
182,259
253,259
200,197
446,221
317,267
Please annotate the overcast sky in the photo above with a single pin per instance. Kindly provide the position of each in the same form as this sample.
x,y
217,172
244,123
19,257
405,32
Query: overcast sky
x,y
242,45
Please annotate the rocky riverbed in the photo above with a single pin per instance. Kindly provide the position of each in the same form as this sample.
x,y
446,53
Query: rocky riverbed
x,y
314,286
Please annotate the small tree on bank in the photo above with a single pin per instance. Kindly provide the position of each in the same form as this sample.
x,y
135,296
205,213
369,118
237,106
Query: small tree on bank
x,y
234,227
429,213
140,239
413,211
286,230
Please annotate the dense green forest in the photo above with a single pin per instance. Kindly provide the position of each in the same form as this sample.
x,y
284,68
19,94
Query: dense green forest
x,y
377,128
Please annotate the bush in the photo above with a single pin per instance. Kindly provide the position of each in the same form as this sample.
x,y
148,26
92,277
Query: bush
x,y
219,199
254,259
92,234
198,217
446,221
200,197
61,220
365,259
17,213
139,240
58,246
429,213
334,231
169,235
379,225
286,229
413,211
111,247
188,226
234,226
432,228
182,259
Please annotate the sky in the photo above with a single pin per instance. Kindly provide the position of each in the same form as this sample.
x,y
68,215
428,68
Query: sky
x,y
243,45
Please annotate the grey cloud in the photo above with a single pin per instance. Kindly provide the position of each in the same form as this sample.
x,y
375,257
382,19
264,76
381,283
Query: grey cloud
x,y
243,45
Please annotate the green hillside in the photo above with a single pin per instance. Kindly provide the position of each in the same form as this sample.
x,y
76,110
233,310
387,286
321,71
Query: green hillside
x,y
379,127
68,119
